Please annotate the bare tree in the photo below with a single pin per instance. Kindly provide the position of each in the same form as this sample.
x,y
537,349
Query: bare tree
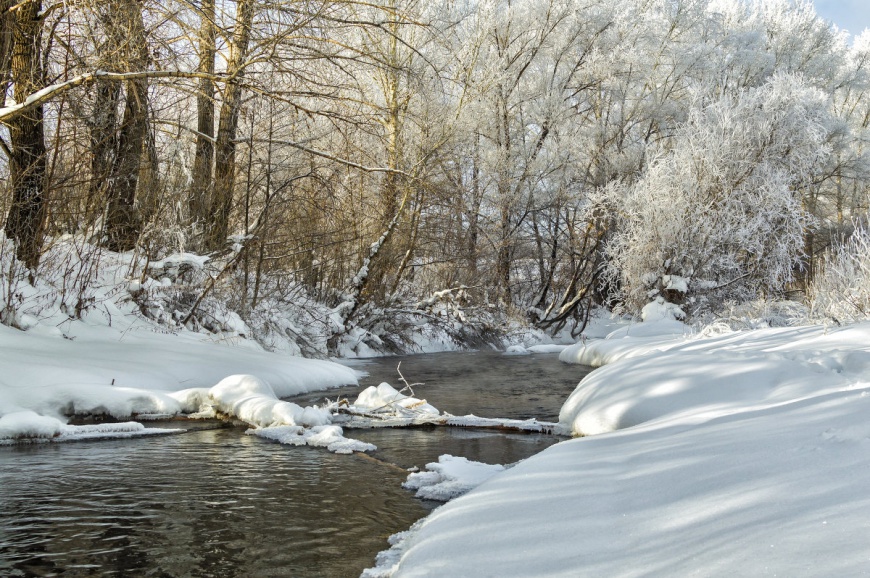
x,y
202,184
225,146
122,221
25,221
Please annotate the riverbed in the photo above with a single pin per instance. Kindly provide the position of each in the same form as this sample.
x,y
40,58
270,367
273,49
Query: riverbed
x,y
216,502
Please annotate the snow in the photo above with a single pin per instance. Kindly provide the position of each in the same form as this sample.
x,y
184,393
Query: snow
x,y
29,426
120,366
741,454
385,398
628,341
524,425
708,453
450,477
517,350
48,378
330,437
659,309
676,283
253,401
547,348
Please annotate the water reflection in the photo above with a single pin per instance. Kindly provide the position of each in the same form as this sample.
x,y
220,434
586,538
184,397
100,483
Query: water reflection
x,y
219,503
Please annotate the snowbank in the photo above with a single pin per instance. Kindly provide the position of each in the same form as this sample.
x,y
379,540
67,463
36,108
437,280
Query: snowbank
x,y
699,378
742,455
104,371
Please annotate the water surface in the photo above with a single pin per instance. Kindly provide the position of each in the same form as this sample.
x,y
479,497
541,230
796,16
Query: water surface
x,y
216,502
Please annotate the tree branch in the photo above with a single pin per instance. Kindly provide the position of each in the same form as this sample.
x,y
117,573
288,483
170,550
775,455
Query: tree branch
x,y
46,94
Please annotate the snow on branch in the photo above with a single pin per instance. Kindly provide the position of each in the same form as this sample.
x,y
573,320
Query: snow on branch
x,y
46,94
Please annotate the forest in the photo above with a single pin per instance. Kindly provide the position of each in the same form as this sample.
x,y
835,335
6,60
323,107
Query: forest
x,y
318,172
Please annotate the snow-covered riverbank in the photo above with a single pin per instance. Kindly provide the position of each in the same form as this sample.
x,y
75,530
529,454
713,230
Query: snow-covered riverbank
x,y
130,370
741,454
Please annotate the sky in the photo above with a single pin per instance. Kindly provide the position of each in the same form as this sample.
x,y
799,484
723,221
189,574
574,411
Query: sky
x,y
851,15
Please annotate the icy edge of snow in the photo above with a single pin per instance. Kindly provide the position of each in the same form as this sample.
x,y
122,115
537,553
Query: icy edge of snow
x,y
29,427
448,478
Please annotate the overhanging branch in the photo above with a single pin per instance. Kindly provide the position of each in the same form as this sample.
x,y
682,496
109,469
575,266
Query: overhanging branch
x,y
46,94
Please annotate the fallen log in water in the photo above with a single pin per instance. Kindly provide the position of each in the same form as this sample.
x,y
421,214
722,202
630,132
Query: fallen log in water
x,y
348,418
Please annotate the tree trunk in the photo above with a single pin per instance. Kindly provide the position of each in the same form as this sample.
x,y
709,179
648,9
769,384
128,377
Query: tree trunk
x,y
474,210
505,193
122,220
25,221
104,141
228,122
201,187
7,25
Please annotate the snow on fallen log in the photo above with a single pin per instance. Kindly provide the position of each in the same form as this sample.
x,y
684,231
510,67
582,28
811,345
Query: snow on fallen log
x,y
252,400
330,437
384,406
520,425
385,399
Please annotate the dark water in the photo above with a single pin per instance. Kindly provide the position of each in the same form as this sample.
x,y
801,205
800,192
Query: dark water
x,y
216,502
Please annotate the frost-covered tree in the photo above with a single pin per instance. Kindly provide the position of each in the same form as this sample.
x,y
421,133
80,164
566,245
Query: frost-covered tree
x,y
841,291
719,216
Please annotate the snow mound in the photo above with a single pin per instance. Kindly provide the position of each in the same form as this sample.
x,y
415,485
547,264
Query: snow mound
x,y
655,387
649,379
252,400
661,310
27,424
628,341
450,477
385,398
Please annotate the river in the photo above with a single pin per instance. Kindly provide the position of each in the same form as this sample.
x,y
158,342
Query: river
x,y
216,502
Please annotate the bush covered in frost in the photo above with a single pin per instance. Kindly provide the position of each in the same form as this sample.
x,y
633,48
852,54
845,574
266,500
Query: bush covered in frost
x,y
718,212
841,290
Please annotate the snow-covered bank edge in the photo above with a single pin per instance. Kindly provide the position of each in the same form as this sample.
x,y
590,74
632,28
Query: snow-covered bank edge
x,y
448,478
29,427
118,374
742,454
